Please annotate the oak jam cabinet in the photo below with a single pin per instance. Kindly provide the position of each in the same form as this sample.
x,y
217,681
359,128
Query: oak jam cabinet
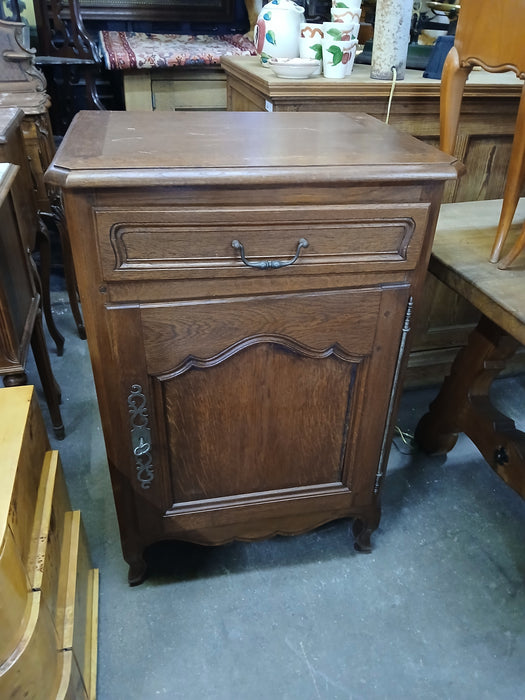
x,y
247,281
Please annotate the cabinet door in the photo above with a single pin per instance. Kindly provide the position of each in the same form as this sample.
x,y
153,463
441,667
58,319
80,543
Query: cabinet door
x,y
254,402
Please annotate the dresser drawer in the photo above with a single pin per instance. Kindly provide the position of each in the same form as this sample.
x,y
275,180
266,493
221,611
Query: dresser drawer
x,y
181,243
77,603
21,578
24,444
16,601
32,669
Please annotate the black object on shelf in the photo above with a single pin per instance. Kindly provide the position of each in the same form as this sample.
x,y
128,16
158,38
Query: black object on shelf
x,y
437,58
417,57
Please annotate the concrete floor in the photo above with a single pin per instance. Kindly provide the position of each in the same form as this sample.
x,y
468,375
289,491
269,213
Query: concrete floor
x,y
436,611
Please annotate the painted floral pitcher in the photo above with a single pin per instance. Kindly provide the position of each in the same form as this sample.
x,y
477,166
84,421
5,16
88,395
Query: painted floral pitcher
x,y
276,33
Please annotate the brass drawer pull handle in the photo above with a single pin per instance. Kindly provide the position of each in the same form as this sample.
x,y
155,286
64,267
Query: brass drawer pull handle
x,y
269,264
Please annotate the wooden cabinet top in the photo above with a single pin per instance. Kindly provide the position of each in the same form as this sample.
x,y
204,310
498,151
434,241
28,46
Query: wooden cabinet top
x,y
10,120
248,69
119,149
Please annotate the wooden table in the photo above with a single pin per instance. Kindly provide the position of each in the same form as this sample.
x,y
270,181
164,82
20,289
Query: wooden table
x,y
484,142
245,393
459,259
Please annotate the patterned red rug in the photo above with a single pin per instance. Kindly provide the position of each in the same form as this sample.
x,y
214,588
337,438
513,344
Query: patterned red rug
x,y
124,50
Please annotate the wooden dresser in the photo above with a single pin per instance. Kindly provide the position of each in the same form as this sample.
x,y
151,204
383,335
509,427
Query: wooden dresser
x,y
48,589
247,282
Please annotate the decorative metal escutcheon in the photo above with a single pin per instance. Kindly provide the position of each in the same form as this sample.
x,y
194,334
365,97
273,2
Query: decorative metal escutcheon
x,y
140,436
269,264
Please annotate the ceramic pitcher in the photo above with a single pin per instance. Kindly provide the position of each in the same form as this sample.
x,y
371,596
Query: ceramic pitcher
x,y
276,33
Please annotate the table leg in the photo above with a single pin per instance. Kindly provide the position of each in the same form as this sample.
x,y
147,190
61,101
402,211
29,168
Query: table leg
x,y
42,281
463,405
51,389
58,218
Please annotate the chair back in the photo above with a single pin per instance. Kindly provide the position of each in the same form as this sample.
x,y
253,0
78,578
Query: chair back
x,y
491,34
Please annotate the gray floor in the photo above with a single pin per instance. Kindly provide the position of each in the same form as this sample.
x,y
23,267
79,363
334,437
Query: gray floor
x,y
436,611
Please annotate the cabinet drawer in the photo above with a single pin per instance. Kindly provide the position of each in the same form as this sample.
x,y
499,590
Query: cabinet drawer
x,y
31,670
71,684
77,604
16,601
188,94
24,446
54,504
20,578
178,243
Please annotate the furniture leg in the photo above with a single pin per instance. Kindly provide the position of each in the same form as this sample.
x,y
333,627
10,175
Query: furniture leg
x,y
42,280
362,528
513,253
463,405
69,270
49,384
19,379
133,545
137,571
452,84
71,282
513,189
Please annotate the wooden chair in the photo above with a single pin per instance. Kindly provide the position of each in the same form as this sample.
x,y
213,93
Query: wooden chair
x,y
69,59
489,34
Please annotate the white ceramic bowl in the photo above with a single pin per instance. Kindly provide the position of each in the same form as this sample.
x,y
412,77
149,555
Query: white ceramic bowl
x,y
294,68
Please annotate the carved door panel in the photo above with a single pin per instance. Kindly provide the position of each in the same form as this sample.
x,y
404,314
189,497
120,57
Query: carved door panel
x,y
265,394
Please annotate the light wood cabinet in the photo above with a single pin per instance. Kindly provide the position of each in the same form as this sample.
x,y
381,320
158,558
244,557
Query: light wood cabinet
x,y
240,399
48,588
